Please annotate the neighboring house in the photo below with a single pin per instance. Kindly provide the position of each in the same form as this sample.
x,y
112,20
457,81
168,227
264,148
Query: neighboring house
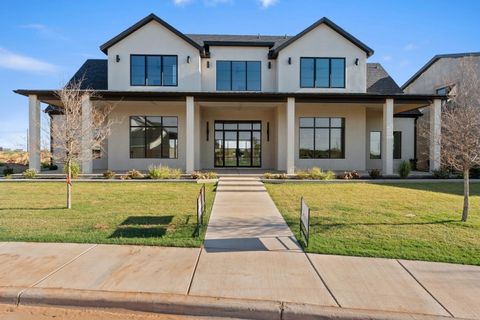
x,y
437,76
221,101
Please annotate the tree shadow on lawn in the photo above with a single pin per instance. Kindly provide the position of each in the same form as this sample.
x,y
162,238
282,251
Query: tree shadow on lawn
x,y
142,227
453,188
328,226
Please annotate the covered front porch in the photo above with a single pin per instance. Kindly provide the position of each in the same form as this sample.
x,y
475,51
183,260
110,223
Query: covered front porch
x,y
243,131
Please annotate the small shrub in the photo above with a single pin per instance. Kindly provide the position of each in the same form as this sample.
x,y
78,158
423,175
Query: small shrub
x,y
349,175
197,175
8,176
30,173
375,173
109,174
45,165
75,169
268,175
163,172
134,174
7,171
315,174
441,173
404,169
53,167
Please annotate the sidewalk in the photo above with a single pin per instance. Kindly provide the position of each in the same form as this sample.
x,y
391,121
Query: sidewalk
x,y
251,266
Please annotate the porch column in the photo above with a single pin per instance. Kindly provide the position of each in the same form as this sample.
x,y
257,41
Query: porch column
x,y
290,135
435,134
387,137
87,135
190,135
33,132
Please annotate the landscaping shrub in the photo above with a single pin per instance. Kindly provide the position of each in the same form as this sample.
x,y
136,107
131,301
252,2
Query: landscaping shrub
x,y
441,173
75,169
109,174
375,173
53,167
349,175
269,175
133,174
163,172
404,169
7,171
30,173
197,175
316,174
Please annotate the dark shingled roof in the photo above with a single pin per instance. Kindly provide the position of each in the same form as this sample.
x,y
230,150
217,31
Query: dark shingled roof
x,y
434,59
379,81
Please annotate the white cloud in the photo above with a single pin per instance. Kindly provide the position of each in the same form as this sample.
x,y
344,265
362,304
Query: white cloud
x,y
181,3
14,61
387,58
35,26
267,3
409,47
213,3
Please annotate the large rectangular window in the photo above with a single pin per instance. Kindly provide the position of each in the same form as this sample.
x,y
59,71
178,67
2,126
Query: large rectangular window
x,y
322,138
153,137
239,76
322,72
375,145
397,144
153,70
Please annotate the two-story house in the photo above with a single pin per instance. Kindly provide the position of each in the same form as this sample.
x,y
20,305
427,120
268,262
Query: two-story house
x,y
198,101
438,76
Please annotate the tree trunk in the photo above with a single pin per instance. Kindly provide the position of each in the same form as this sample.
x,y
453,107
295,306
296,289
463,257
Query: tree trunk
x,y
69,184
466,194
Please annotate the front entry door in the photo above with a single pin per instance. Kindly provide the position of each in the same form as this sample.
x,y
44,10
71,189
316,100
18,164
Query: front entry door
x,y
237,143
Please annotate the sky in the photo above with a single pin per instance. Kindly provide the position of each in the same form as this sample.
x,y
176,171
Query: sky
x,y
43,43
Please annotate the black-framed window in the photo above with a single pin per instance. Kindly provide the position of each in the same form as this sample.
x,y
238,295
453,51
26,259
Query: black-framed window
x,y
153,137
322,138
153,70
239,75
397,144
443,90
322,72
375,145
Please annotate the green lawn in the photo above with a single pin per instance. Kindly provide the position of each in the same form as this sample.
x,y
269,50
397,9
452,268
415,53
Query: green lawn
x,y
408,220
122,213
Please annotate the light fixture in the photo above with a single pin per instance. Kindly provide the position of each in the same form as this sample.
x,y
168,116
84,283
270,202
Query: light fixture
x,y
356,62
117,58
188,59
269,65
289,60
208,64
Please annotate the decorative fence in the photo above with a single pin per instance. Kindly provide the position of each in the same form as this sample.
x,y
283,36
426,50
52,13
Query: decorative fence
x,y
201,207
304,221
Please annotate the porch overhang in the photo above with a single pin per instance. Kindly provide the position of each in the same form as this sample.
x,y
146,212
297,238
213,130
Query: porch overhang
x,y
403,102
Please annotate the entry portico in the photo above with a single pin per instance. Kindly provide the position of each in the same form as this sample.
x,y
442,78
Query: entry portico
x,y
261,130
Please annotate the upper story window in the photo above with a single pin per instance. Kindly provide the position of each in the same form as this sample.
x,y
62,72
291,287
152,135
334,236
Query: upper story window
x,y
322,72
153,70
443,90
239,76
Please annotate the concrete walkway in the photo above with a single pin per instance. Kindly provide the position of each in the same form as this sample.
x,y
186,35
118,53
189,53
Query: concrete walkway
x,y
249,253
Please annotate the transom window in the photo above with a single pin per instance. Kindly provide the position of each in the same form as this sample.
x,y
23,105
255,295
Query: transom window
x,y
322,72
322,138
153,137
239,75
153,70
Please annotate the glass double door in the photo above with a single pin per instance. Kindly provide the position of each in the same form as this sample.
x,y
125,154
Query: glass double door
x,y
238,144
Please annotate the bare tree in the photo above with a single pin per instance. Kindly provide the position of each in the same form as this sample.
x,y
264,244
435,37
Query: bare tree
x,y
71,136
460,130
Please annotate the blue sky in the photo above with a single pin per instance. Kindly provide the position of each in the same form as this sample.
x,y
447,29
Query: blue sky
x,y
42,43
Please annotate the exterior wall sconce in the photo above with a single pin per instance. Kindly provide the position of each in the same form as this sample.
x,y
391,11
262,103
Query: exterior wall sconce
x,y
208,64
289,60
356,62
188,59
269,65
117,58
208,131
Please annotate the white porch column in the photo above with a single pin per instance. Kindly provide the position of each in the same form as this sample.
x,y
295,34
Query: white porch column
x,y
387,137
435,133
33,132
190,135
87,135
290,135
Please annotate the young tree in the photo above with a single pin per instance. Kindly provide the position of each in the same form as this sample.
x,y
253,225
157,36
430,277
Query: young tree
x,y
460,137
70,135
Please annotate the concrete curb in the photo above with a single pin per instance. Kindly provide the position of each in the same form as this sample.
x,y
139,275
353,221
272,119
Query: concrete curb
x,y
193,305
371,181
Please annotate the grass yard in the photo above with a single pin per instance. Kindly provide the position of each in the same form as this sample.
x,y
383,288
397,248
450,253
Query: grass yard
x,y
121,213
418,221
